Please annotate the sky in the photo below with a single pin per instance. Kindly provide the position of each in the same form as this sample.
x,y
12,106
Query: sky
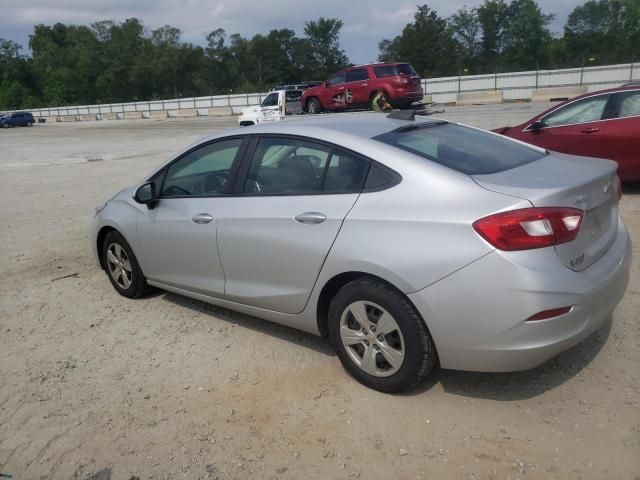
x,y
365,22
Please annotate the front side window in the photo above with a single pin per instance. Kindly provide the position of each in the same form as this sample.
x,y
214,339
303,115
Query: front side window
x,y
582,111
629,104
203,171
337,79
464,149
282,166
270,100
357,75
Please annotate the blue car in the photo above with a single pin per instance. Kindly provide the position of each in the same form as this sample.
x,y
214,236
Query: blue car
x,y
18,119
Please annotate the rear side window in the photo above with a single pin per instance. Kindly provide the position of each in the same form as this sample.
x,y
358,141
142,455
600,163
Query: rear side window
x,y
394,70
291,166
629,104
464,149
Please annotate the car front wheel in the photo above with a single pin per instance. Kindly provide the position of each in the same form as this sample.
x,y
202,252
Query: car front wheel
x,y
313,106
379,336
122,267
29,124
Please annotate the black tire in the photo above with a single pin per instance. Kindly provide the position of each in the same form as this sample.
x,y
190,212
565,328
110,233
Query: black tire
x,y
138,283
29,124
313,106
419,350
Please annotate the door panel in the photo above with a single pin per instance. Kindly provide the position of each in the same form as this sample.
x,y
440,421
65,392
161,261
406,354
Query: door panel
x,y
179,244
584,139
275,234
179,235
271,260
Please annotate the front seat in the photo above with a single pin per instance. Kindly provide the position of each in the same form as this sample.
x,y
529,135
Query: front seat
x,y
300,173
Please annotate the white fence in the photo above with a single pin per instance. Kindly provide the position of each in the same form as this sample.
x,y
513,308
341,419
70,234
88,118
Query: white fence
x,y
518,85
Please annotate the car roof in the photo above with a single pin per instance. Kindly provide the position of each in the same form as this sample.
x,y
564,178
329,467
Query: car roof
x,y
359,124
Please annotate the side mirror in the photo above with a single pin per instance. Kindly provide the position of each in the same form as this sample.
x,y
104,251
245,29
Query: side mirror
x,y
537,126
146,194
326,84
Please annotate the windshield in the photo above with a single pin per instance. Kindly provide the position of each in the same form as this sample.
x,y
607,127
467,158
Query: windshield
x,y
394,70
464,149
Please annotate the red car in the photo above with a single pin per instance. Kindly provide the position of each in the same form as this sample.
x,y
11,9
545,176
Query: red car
x,y
603,124
355,87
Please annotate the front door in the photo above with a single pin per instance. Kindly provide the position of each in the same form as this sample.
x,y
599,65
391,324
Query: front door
x,y
179,235
334,96
357,86
270,108
575,128
276,232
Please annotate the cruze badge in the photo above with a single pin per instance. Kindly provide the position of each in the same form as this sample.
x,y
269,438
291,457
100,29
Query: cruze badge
x,y
607,186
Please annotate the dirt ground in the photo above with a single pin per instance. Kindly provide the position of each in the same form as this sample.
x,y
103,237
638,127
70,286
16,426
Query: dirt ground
x,y
93,385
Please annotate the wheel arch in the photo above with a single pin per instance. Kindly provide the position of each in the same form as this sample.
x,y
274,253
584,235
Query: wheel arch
x,y
334,284
102,234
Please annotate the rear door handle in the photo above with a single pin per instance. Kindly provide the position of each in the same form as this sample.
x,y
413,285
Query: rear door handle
x,y
590,130
202,218
311,217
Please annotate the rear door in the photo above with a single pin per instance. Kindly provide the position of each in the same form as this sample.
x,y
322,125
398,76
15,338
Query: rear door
x,y
357,87
621,137
278,228
575,128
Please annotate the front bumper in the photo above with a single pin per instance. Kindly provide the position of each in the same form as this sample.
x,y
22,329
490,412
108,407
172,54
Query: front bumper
x,y
477,316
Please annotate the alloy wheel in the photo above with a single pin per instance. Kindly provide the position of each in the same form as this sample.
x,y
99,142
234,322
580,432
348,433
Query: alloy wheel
x,y
119,265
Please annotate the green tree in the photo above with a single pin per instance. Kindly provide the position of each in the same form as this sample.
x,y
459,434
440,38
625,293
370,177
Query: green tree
x,y
527,37
428,44
466,27
323,36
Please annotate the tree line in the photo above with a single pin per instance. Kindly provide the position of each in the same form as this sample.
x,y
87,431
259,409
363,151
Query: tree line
x,y
110,62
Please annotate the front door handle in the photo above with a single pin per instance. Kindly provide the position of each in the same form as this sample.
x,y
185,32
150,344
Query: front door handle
x,y
202,218
311,217
590,130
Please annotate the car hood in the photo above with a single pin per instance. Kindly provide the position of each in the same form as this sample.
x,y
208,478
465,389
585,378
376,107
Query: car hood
x,y
254,109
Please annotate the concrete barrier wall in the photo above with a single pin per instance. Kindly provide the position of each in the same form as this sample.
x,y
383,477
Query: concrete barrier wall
x,y
479,98
129,115
557,93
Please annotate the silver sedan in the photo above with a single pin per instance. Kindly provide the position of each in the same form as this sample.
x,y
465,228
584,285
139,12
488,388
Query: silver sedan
x,y
409,242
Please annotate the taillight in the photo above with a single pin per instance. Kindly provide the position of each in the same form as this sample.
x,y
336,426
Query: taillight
x,y
529,228
402,80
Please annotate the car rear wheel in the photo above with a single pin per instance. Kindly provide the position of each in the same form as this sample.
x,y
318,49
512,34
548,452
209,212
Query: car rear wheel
x,y
313,106
29,124
379,336
122,266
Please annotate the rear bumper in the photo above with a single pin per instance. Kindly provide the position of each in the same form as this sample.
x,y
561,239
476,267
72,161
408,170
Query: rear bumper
x,y
477,316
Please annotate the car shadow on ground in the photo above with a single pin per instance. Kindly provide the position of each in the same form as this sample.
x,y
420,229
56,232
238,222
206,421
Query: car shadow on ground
x,y
282,332
495,386
516,386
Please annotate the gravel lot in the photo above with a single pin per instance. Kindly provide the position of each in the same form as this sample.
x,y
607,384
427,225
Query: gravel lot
x,y
167,387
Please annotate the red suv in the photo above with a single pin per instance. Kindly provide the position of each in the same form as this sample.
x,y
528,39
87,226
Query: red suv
x,y
602,124
355,87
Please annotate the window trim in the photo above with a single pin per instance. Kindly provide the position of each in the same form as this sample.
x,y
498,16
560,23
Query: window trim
x,y
243,171
233,171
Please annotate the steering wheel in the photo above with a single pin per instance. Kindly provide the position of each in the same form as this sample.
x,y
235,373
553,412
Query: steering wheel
x,y
213,183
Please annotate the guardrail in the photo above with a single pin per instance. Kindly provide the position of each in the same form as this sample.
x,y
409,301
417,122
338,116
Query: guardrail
x,y
514,85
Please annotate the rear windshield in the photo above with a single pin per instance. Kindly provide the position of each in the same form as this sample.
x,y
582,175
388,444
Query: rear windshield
x,y
393,70
464,149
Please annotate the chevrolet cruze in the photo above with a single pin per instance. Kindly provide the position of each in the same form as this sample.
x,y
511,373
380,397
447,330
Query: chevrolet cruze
x,y
409,242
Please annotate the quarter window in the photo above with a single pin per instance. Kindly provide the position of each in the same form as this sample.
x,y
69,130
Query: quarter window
x,y
629,104
582,111
203,171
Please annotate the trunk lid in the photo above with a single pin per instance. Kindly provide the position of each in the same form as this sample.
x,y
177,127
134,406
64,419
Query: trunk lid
x,y
559,180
